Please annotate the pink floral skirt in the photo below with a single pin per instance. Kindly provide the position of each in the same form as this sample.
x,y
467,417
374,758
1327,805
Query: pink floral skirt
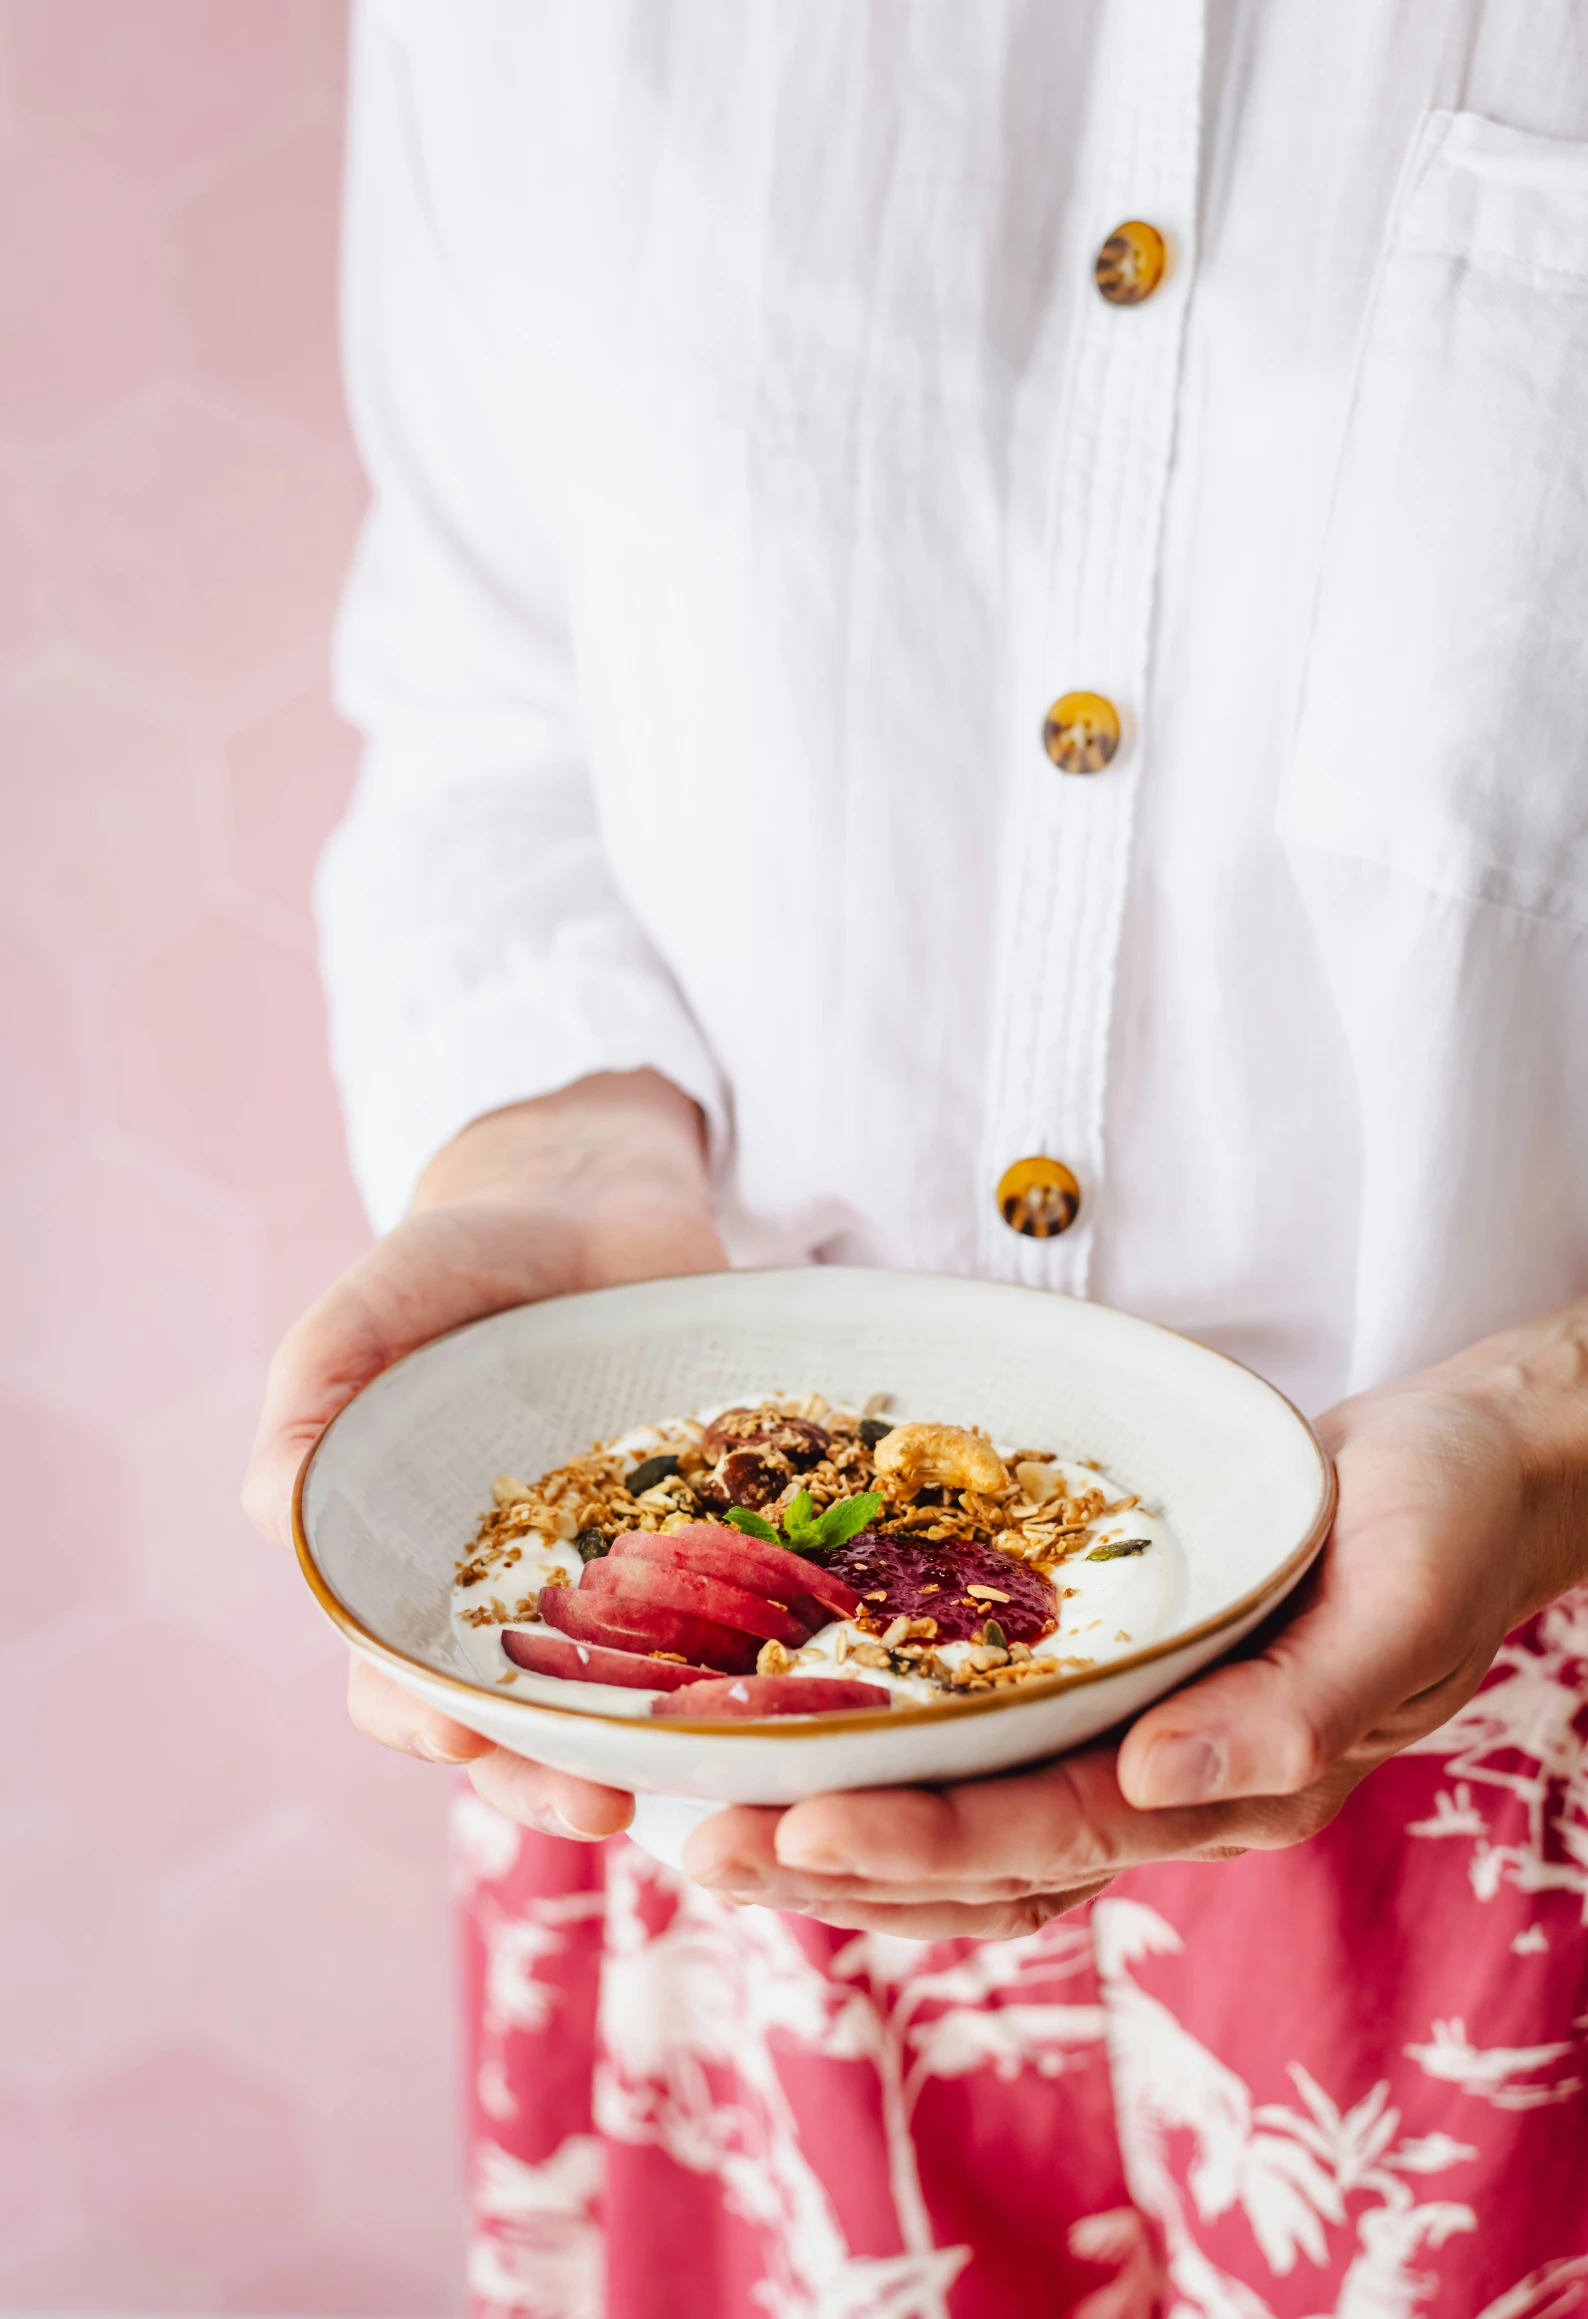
x,y
1347,2078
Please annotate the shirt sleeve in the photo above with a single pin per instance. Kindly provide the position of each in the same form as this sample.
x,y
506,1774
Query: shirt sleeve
x,y
475,949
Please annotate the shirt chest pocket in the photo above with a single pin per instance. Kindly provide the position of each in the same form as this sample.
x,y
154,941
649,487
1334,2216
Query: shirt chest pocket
x,y
1444,718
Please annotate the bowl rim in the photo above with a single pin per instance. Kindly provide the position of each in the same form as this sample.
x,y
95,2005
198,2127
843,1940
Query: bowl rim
x,y
852,1719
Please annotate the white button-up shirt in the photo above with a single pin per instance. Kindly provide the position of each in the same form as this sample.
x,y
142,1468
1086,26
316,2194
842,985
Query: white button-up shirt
x,y
755,461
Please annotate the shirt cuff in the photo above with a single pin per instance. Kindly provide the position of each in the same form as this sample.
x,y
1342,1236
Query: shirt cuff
x,y
404,1107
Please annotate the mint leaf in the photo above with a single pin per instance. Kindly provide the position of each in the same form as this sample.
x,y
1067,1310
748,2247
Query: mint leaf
x,y
799,1522
804,1530
753,1525
845,1520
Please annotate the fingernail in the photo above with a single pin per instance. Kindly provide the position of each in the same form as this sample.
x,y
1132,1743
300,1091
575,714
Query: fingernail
x,y
733,1877
1189,1770
555,1824
816,1856
428,1751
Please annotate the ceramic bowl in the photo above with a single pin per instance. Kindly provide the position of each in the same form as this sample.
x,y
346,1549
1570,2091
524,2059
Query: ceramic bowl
x,y
390,1496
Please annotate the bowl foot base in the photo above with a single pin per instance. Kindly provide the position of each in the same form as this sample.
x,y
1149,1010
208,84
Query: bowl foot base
x,y
661,1824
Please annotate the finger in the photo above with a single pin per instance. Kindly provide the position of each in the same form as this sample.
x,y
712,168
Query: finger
x,y
1055,1828
944,1919
273,1473
733,1845
393,1717
434,1271
1383,1652
1055,1834
736,1853
556,1802
324,1359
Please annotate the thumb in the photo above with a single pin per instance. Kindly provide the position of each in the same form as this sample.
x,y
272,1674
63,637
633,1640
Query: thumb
x,y
437,1269
1376,1654
320,1364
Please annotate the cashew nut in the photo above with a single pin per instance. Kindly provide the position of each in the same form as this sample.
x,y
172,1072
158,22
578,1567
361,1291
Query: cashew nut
x,y
945,1457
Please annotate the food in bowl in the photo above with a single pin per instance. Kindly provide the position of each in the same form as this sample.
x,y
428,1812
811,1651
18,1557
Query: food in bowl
x,y
393,1491
789,1556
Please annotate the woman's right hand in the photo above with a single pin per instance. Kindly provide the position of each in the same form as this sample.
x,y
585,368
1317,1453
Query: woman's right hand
x,y
602,1183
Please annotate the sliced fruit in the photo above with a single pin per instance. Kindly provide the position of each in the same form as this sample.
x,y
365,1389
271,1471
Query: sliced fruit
x,y
717,1551
633,1626
634,1582
774,1695
554,1654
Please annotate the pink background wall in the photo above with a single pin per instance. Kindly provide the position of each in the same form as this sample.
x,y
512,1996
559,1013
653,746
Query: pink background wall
x,y
225,2079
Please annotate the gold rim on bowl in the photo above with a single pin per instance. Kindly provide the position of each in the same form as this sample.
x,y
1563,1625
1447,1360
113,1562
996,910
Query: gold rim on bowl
x,y
816,1726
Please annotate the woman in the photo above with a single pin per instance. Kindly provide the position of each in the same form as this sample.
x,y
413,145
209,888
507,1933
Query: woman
x,y
974,640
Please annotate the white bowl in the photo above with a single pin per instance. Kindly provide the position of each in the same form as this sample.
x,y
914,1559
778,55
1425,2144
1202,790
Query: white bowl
x,y
391,1494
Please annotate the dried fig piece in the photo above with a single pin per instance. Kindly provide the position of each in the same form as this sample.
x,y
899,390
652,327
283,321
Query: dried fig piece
x,y
745,1477
798,1439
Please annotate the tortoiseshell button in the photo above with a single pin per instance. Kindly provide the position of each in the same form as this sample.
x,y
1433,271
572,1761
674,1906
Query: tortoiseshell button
x,y
1130,264
1081,732
1039,1197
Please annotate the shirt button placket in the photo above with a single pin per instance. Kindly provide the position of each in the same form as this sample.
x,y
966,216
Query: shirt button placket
x,y
1074,798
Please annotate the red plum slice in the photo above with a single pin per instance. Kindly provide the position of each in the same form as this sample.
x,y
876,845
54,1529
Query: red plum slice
x,y
556,1654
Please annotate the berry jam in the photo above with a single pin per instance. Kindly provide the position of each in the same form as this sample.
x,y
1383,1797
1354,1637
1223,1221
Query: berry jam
x,y
921,1578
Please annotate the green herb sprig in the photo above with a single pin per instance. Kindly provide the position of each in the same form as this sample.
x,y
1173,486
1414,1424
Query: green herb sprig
x,y
804,1530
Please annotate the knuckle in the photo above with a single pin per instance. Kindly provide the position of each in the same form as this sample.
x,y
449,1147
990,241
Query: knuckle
x,y
942,1835
374,1726
518,1789
1271,1823
493,1784
285,1363
1309,1750
1030,1913
370,1704
1082,1848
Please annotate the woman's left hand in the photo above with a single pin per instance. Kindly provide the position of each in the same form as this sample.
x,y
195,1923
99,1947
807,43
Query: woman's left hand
x,y
1463,1509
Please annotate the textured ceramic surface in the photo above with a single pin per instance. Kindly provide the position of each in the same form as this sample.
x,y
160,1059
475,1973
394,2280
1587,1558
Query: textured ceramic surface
x,y
394,1489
